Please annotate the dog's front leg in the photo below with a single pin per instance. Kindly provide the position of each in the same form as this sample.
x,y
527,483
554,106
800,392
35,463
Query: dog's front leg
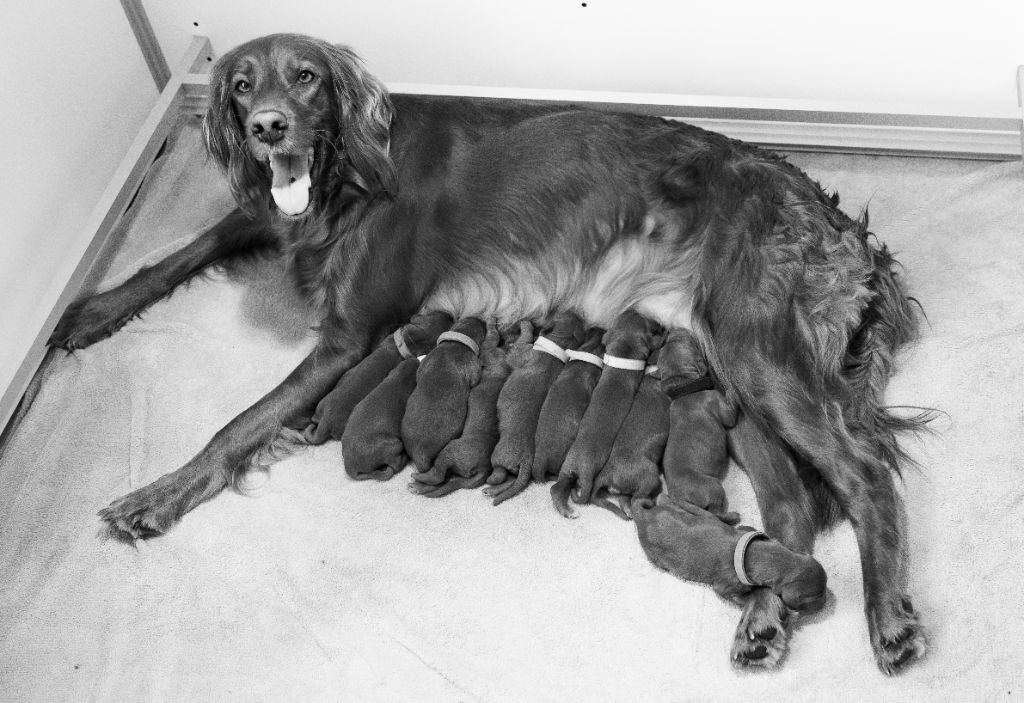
x,y
91,319
153,509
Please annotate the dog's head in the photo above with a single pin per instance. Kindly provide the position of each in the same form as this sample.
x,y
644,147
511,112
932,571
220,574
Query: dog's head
x,y
296,119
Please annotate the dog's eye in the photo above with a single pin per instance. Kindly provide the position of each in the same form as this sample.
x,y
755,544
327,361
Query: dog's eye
x,y
243,86
306,76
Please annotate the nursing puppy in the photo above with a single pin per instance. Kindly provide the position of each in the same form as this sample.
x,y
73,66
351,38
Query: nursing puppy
x,y
415,338
436,410
465,462
627,345
633,470
697,453
519,405
565,404
694,545
372,443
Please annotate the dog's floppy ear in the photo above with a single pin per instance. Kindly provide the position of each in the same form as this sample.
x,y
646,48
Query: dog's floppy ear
x,y
222,133
365,112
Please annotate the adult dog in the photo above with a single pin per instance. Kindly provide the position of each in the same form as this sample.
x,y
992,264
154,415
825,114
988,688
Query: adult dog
x,y
390,205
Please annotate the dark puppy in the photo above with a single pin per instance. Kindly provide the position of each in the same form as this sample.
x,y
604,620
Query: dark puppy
x,y
468,457
697,454
627,345
634,467
372,443
415,338
520,402
695,545
436,410
565,404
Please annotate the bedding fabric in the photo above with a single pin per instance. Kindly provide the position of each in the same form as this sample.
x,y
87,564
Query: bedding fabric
x,y
326,589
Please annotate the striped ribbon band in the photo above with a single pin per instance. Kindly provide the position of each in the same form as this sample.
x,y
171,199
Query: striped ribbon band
x,y
464,339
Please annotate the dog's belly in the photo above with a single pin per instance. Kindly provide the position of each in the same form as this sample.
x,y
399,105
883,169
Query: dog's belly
x,y
654,278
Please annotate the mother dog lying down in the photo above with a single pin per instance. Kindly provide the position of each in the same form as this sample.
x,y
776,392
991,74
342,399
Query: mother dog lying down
x,y
386,206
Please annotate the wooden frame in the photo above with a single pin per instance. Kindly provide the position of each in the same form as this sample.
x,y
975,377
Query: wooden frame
x,y
111,206
778,124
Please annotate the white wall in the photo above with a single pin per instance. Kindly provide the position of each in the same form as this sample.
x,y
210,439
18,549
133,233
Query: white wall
x,y
74,90
947,58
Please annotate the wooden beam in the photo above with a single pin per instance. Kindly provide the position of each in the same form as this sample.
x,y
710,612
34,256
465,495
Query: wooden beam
x,y
147,40
84,249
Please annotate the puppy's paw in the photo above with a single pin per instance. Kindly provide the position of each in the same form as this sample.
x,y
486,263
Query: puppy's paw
x,y
896,636
762,636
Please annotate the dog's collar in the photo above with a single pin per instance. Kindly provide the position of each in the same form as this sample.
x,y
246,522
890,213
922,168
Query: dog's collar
x,y
463,339
704,383
584,356
619,362
543,344
650,369
741,552
403,348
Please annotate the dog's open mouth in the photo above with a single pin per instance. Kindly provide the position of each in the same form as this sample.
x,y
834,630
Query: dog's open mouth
x,y
291,181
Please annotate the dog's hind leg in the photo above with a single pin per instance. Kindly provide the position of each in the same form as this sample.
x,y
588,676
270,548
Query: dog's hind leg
x,y
863,486
91,319
762,636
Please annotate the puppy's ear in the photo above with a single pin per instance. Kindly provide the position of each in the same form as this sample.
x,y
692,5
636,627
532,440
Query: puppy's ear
x,y
225,141
365,112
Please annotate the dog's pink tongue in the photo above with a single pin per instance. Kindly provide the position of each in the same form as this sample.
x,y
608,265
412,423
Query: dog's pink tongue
x,y
291,184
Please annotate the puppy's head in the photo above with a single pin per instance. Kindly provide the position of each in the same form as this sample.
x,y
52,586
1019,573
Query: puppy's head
x,y
633,336
421,332
593,341
566,329
682,356
292,119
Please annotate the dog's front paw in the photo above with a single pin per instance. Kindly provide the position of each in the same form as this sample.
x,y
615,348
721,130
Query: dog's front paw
x,y
762,636
896,636
86,322
152,510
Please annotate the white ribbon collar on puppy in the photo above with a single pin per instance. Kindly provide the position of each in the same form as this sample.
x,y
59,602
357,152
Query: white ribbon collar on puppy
x,y
585,356
545,345
741,552
618,362
403,348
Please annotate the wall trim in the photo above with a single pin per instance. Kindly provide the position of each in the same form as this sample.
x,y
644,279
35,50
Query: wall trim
x,y
780,124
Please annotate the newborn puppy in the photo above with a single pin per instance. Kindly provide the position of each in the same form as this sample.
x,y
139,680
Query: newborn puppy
x,y
415,338
565,404
372,443
697,453
468,457
436,411
627,345
695,545
634,467
520,401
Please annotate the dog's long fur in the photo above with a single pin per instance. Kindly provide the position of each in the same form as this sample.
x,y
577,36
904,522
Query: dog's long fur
x,y
513,211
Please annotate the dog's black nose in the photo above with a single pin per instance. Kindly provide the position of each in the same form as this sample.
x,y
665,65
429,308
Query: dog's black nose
x,y
269,126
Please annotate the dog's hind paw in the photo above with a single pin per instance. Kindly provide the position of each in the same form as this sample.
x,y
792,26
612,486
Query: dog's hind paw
x,y
762,636
898,642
